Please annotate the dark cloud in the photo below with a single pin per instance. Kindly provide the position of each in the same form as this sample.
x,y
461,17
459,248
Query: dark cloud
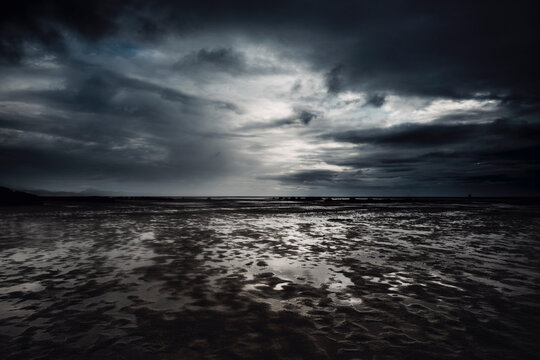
x,y
222,59
334,80
375,100
296,87
105,126
300,117
109,155
451,49
305,116
123,119
42,22
436,134
496,156
93,89
409,135
309,177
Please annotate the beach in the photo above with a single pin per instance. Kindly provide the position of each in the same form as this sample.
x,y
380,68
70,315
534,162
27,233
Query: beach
x,y
270,279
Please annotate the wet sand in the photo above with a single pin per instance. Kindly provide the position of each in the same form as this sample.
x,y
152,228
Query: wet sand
x,y
253,279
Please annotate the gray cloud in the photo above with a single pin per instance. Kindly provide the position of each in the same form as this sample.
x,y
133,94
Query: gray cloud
x,y
309,177
300,117
435,134
221,59
443,49
480,157
102,126
376,100
334,79
116,90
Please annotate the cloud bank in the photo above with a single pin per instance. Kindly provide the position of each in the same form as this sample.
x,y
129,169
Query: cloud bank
x,y
295,97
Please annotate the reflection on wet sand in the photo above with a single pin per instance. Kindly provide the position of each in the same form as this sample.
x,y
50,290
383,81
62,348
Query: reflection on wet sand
x,y
270,279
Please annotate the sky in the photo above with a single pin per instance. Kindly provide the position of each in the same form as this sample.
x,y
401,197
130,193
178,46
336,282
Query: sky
x,y
339,98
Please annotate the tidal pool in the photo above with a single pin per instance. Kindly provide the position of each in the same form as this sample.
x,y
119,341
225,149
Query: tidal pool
x,y
237,279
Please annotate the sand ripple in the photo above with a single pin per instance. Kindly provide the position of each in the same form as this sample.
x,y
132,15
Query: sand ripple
x,y
254,279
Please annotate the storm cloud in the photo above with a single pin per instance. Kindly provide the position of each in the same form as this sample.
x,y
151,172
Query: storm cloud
x,y
318,97
298,118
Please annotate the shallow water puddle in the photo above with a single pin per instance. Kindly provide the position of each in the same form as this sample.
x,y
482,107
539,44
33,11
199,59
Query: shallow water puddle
x,y
279,287
382,277
148,235
25,287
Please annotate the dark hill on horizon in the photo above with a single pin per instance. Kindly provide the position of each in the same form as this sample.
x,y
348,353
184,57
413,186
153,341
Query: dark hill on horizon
x,y
13,197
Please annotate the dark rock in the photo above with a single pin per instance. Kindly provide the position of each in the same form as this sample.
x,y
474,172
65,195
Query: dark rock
x,y
10,197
